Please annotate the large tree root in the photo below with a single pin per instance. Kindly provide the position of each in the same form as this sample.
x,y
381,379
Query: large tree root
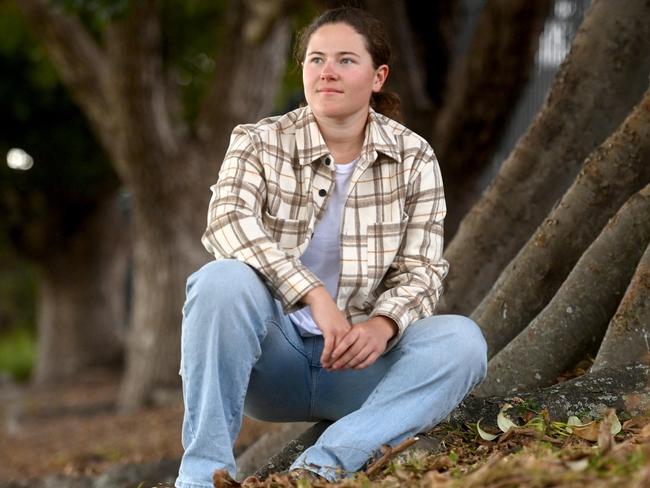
x,y
268,445
614,172
587,102
574,322
282,460
625,389
628,334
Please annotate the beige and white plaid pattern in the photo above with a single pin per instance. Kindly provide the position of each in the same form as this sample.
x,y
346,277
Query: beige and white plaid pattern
x,y
273,187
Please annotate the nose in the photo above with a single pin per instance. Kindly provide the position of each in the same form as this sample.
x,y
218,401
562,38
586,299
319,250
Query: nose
x,y
327,72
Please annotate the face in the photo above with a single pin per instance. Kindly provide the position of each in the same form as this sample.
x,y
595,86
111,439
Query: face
x,y
338,74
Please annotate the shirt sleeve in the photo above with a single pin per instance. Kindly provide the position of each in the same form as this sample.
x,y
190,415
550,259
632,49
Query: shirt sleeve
x,y
414,280
235,229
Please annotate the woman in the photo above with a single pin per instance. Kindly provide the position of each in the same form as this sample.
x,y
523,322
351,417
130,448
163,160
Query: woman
x,y
327,227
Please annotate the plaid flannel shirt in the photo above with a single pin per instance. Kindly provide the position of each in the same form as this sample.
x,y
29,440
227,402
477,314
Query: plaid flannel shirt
x,y
273,187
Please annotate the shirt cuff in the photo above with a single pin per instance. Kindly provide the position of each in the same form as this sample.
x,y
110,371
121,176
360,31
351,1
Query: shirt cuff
x,y
292,283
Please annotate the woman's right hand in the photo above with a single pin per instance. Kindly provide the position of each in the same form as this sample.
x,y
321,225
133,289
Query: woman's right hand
x,y
330,320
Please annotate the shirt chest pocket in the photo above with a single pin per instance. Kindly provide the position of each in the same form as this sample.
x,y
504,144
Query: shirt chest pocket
x,y
290,234
384,239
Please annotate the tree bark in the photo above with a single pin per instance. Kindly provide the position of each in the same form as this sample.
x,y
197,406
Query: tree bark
x,y
82,298
587,101
624,389
267,446
421,43
236,96
292,450
484,88
628,334
574,322
611,174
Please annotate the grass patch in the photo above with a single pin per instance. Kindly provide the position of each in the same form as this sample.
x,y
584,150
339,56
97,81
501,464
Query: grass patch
x,y
17,353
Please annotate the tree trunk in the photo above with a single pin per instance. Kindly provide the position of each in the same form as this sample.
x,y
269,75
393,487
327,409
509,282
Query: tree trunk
x,y
628,334
588,100
82,298
167,177
484,88
615,171
421,42
574,322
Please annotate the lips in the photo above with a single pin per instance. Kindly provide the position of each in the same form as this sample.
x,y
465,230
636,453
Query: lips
x,y
329,90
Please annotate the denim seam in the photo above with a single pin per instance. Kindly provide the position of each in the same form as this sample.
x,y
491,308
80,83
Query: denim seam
x,y
314,375
190,416
293,344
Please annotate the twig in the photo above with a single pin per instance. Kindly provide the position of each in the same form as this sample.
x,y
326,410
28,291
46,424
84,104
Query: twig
x,y
390,452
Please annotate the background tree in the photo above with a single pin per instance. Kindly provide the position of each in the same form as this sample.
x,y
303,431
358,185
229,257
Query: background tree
x,y
62,215
122,65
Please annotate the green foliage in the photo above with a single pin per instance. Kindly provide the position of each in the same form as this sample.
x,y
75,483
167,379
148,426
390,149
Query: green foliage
x,y
96,14
17,352
290,94
190,32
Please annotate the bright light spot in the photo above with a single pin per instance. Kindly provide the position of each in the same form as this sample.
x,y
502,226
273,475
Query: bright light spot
x,y
19,159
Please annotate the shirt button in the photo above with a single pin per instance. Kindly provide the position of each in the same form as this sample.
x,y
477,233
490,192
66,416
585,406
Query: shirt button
x,y
328,160
322,192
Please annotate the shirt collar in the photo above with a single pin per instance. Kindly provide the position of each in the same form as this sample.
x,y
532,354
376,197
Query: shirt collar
x,y
310,144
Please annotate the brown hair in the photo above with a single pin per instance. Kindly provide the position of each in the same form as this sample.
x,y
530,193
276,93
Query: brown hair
x,y
376,40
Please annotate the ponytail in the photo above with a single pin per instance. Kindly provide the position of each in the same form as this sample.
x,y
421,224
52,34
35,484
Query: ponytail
x,y
388,104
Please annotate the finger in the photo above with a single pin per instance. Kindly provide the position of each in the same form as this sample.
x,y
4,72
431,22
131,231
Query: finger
x,y
358,358
370,360
343,344
351,353
327,348
328,356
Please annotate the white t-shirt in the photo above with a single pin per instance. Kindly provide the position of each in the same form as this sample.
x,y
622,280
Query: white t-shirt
x,y
323,254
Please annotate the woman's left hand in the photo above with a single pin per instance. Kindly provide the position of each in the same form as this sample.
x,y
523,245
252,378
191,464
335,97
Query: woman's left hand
x,y
363,344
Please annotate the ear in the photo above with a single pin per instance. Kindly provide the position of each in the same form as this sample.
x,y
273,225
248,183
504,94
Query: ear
x,y
381,74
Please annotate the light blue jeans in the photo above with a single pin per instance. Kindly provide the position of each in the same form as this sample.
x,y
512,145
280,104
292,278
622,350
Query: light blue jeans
x,y
242,355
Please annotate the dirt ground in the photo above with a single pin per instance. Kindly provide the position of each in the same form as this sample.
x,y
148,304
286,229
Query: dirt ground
x,y
73,428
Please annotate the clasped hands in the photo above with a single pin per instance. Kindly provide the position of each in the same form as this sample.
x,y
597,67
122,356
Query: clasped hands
x,y
347,347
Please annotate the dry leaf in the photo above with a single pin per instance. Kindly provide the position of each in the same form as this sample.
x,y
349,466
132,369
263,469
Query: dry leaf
x,y
485,435
587,431
504,423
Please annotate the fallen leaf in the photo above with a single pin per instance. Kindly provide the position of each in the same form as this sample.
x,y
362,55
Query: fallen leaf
x,y
579,465
587,431
485,435
504,423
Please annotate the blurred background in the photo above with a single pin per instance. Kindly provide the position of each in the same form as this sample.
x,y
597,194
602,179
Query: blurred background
x,y
115,115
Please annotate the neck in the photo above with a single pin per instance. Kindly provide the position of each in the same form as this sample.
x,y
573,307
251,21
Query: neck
x,y
344,138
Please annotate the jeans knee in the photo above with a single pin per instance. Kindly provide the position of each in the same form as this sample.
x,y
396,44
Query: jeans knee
x,y
474,345
470,343
222,280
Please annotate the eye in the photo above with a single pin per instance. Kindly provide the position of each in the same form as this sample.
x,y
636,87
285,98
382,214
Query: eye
x,y
315,59
347,61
